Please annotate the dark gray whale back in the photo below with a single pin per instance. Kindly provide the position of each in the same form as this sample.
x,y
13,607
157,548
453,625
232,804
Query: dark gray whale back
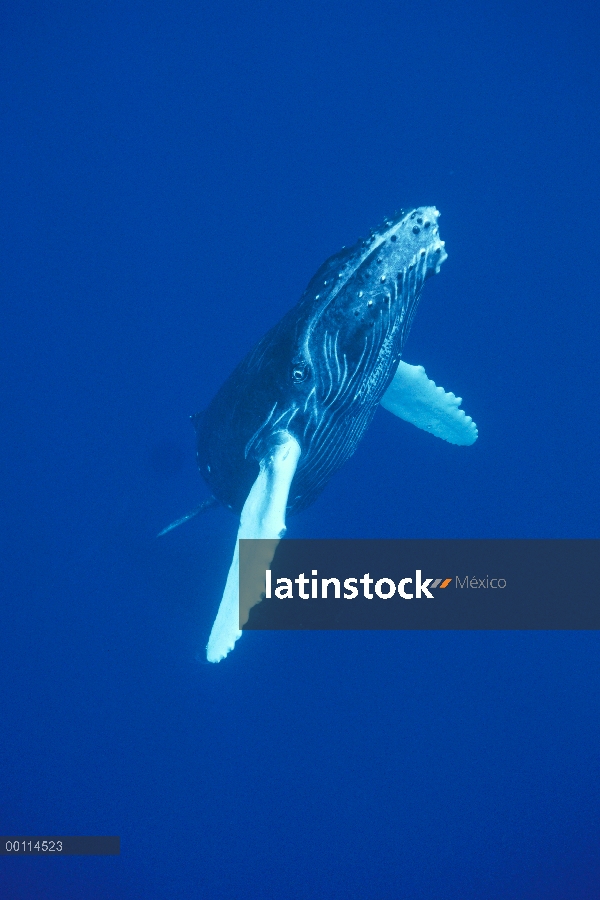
x,y
322,370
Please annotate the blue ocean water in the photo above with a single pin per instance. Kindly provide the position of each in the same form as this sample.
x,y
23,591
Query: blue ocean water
x,y
174,174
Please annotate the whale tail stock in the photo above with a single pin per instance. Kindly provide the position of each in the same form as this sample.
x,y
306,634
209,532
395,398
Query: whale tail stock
x,y
209,503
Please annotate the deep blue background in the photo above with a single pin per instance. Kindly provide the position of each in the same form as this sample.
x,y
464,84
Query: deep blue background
x,y
173,175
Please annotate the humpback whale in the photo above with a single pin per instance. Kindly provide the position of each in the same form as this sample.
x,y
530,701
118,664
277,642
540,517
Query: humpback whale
x,y
294,410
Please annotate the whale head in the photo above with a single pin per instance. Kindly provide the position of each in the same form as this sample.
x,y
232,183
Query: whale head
x,y
320,373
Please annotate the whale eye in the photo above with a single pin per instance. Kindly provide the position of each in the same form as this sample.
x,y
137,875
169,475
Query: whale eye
x,y
300,373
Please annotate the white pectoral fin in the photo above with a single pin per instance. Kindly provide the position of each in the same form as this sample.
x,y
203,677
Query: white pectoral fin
x,y
414,397
263,516
226,630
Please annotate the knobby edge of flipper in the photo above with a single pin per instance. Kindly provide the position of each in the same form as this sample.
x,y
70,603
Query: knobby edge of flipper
x,y
417,399
263,517
207,504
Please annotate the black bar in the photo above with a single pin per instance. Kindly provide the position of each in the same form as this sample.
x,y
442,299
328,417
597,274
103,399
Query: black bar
x,y
492,584
44,845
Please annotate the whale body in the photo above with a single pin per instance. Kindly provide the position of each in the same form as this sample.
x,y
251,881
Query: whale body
x,y
294,410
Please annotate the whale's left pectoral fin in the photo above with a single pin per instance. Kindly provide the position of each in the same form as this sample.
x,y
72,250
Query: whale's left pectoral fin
x,y
414,397
263,516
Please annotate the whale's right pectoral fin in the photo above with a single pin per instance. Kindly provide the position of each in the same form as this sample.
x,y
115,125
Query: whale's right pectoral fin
x,y
263,516
414,397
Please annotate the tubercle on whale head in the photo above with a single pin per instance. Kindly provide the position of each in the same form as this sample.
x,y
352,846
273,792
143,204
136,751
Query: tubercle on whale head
x,y
387,270
407,241
411,235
